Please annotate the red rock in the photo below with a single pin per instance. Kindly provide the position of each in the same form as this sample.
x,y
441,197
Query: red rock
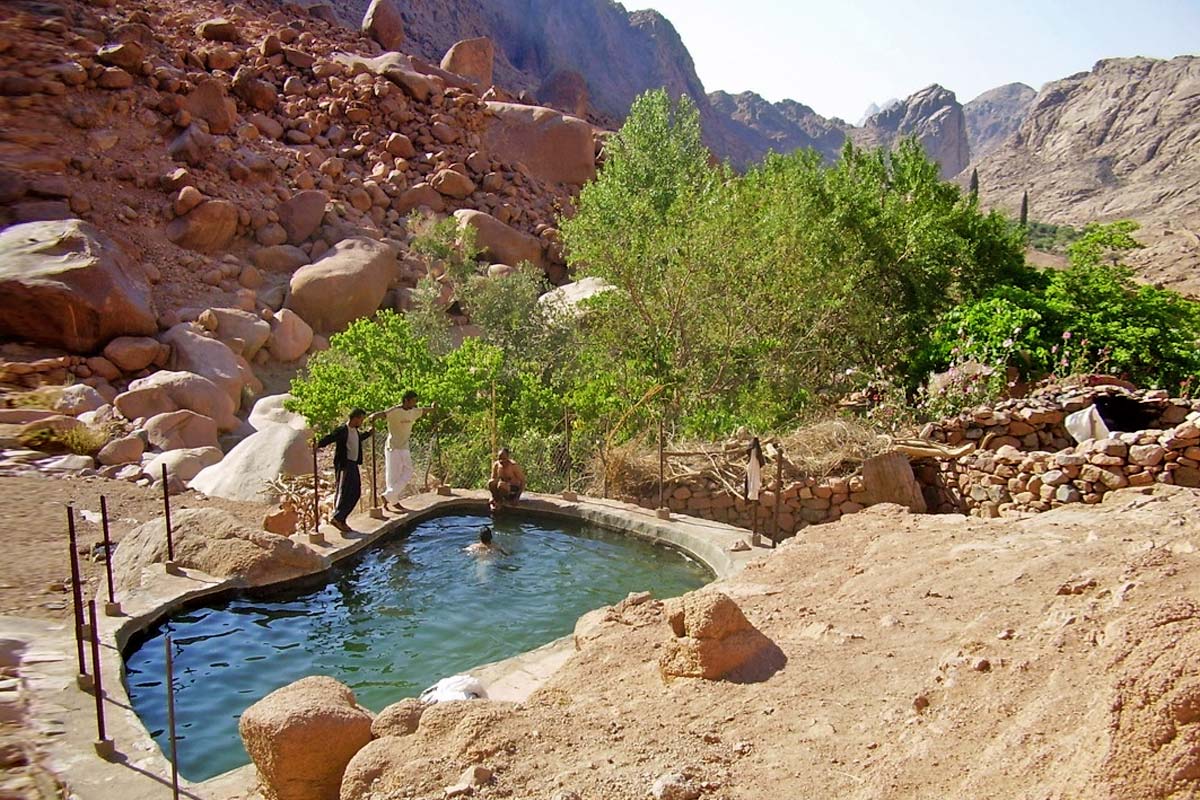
x,y
383,23
302,214
471,58
208,227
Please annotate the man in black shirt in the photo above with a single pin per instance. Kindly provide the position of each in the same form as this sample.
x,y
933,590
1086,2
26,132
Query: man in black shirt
x,y
347,455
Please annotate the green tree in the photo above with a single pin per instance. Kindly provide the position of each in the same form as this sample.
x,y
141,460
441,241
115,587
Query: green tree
x,y
1023,219
973,189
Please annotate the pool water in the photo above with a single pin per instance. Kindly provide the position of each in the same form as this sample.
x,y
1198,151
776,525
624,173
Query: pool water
x,y
390,622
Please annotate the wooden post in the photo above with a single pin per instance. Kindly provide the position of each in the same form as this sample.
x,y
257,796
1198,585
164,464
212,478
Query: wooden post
x,y
171,719
112,608
755,538
103,745
82,678
775,532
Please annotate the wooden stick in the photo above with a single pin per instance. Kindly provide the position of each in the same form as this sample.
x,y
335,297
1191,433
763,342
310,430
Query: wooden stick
x,y
775,535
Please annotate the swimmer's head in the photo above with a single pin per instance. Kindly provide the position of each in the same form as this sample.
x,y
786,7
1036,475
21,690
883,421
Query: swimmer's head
x,y
485,535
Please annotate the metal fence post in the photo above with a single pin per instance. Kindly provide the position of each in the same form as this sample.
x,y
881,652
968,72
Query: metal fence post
x,y
81,678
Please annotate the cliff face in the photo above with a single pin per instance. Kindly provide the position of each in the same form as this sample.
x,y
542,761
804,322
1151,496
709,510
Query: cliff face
x,y
1118,142
934,116
751,126
995,115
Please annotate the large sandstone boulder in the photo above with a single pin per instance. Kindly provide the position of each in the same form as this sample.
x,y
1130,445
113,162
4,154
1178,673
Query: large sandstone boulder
x,y
398,719
566,89
713,639
167,390
181,429
191,351
452,183
78,399
471,58
270,411
346,283
291,336
207,228
397,68
132,353
554,146
499,242
216,543
301,214
242,332
267,454
184,463
383,23
209,103
124,450
66,284
302,736
569,298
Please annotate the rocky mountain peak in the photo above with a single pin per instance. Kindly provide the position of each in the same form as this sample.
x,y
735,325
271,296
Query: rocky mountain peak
x,y
934,116
995,115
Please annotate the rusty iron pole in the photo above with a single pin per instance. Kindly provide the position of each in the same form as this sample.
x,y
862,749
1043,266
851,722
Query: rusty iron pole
x,y
316,492
775,537
112,599
171,719
76,596
167,514
98,684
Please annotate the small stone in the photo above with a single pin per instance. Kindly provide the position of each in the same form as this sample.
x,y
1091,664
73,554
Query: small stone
x,y
674,786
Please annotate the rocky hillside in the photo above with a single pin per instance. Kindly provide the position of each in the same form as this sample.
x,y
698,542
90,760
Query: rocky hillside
x,y
994,115
1118,141
934,116
749,126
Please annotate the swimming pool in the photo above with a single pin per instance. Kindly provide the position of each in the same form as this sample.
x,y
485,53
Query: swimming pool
x,y
389,622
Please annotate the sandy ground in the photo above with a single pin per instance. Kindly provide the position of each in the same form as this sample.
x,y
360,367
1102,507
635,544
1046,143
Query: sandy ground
x,y
926,657
34,572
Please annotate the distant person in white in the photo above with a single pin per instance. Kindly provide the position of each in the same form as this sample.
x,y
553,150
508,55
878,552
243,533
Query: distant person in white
x,y
398,466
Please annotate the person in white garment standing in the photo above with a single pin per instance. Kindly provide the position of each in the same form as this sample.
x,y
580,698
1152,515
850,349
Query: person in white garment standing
x,y
398,466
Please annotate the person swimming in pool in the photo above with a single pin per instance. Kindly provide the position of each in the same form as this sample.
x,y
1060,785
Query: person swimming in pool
x,y
485,545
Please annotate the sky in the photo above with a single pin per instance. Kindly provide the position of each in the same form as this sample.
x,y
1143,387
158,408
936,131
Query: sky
x,y
837,56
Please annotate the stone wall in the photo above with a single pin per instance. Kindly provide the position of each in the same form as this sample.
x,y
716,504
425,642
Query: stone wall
x,y
1024,461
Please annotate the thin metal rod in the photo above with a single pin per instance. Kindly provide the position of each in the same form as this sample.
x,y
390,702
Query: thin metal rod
x,y
107,549
374,471
662,463
775,535
76,590
167,514
604,456
567,424
98,686
316,491
171,719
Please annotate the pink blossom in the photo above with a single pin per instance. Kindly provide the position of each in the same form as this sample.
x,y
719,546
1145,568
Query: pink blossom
x,y
1066,335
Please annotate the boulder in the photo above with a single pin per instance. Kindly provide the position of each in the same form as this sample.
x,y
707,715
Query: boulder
x,y
232,325
207,228
218,29
191,146
125,450
712,638
400,145
397,68
471,58
346,283
267,454
302,736
184,463
214,542
270,410
209,103
66,284
181,429
291,336
383,23
254,91
166,391
569,298
417,195
191,351
301,215
398,719
555,147
499,242
75,400
132,353
279,258
452,183
567,90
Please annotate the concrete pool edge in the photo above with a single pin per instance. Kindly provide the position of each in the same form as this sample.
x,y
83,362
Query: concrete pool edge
x,y
65,714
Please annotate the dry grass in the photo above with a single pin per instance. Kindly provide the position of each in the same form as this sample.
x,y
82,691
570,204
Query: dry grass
x,y
42,397
821,449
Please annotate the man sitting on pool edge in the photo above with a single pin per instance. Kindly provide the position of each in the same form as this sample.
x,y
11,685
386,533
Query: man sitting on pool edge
x,y
485,545
507,482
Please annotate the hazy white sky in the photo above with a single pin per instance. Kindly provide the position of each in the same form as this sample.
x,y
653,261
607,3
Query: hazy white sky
x,y
839,55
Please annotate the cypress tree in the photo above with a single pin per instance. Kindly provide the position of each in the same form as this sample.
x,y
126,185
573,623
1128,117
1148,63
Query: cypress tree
x,y
1025,209
973,190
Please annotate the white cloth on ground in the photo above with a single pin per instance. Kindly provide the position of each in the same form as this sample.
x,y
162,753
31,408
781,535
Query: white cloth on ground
x,y
458,687
397,472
